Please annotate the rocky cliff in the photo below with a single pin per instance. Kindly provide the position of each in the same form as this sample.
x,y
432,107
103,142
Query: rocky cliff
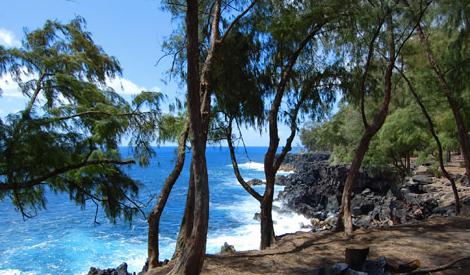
x,y
315,189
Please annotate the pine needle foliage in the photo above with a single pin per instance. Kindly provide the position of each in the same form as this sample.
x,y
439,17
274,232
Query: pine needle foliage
x,y
66,138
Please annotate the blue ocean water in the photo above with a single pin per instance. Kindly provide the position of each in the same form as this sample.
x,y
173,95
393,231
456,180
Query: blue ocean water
x,y
63,239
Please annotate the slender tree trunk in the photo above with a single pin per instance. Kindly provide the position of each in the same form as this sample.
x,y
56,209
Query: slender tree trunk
x,y
188,217
451,99
432,130
154,217
448,156
271,164
191,259
369,133
353,174
267,228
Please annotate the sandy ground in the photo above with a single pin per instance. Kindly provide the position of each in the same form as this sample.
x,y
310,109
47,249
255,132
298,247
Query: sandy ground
x,y
434,242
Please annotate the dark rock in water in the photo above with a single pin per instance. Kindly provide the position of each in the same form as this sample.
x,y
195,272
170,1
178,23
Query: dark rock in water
x,y
379,199
318,186
320,215
227,249
255,182
281,180
120,270
257,217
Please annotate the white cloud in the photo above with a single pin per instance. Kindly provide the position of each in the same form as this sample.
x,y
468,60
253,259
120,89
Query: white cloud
x,y
8,38
124,86
12,99
9,88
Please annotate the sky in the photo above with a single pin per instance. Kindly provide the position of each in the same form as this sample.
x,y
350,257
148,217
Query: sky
x,y
131,30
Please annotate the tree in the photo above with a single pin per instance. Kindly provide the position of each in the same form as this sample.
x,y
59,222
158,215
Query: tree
x,y
66,138
386,14
192,257
457,21
432,131
155,214
189,254
400,137
290,77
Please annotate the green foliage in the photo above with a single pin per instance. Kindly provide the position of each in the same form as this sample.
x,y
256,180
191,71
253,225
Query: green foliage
x,y
66,139
339,135
237,87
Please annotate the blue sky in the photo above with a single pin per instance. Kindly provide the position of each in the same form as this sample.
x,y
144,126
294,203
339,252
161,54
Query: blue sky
x,y
132,31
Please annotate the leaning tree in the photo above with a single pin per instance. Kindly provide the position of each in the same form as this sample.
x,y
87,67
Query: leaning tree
x,y
294,80
66,138
378,23
449,65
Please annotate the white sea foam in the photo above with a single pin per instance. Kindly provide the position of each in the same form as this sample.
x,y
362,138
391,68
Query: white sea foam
x,y
258,166
251,165
15,272
247,236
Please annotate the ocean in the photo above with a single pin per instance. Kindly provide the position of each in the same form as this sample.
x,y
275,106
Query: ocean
x,y
63,238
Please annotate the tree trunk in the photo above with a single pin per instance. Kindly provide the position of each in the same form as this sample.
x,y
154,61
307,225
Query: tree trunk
x,y
451,99
271,164
369,133
188,217
432,130
267,228
353,173
154,217
191,259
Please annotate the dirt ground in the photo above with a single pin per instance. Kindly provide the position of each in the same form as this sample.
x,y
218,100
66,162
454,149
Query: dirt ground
x,y
434,242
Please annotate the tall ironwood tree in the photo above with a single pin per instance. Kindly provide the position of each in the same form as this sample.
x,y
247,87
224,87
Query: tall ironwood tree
x,y
189,253
293,52
345,216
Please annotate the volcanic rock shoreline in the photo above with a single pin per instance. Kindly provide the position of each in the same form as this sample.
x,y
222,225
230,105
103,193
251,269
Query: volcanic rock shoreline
x,y
379,198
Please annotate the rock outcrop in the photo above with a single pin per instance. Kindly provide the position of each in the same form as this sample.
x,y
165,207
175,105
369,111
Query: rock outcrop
x,y
120,270
378,198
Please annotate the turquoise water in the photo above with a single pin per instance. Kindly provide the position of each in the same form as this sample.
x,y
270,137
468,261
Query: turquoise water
x,y
63,239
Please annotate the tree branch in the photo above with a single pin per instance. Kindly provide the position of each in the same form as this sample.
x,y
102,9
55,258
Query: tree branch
x,y
273,113
293,130
366,72
236,170
36,92
235,21
58,171
441,267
